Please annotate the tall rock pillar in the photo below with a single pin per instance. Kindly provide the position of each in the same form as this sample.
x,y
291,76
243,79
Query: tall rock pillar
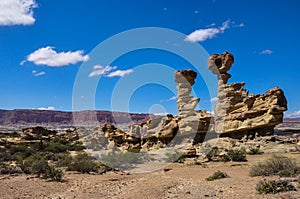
x,y
188,122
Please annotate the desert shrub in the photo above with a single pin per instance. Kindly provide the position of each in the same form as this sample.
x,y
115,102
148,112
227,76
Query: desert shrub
x,y
34,164
26,151
5,156
276,165
238,155
49,155
76,146
55,147
216,175
83,163
254,151
213,152
273,186
14,135
175,157
119,159
286,173
60,140
70,146
9,169
64,160
210,152
54,174
134,150
37,164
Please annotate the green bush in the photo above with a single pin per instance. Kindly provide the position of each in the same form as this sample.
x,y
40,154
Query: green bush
x,y
277,165
210,152
175,157
213,152
14,135
34,164
238,155
134,150
119,159
5,156
216,175
64,160
274,186
254,151
55,147
8,169
24,150
54,174
83,163
60,140
77,146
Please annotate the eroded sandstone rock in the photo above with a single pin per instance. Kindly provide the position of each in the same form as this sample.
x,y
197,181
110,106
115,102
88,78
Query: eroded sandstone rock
x,y
238,113
160,131
191,123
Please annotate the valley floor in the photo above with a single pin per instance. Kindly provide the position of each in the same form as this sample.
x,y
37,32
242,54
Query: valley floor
x,y
174,181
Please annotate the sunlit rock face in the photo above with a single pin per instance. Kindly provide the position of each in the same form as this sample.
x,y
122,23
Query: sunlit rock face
x,y
191,123
238,114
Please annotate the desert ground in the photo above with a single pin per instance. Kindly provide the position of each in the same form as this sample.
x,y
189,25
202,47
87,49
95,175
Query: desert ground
x,y
173,181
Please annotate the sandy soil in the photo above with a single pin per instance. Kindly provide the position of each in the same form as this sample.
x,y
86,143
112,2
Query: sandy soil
x,y
174,181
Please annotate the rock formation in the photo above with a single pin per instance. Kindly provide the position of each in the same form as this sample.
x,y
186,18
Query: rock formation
x,y
37,133
160,131
190,121
237,114
186,104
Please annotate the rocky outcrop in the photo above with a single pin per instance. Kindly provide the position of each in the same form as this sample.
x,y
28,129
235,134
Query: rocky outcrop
x,y
238,113
37,133
160,131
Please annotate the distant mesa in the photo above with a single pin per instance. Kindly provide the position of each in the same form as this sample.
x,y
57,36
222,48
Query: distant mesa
x,y
45,117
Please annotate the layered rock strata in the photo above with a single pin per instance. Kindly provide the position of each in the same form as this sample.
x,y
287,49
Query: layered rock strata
x,y
160,131
191,123
238,113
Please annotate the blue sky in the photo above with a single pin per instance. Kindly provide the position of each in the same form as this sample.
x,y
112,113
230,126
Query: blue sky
x,y
44,45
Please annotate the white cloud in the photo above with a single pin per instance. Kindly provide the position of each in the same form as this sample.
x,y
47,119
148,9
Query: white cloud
x,y
101,70
35,73
266,52
49,57
214,99
17,12
160,114
108,71
208,33
211,25
170,99
295,114
241,25
49,108
120,73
